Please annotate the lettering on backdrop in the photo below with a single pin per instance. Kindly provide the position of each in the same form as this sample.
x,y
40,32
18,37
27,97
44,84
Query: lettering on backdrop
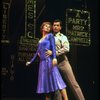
x,y
7,71
5,21
6,68
28,42
78,27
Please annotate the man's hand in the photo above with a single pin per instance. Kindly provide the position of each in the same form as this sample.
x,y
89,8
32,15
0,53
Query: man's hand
x,y
48,52
27,63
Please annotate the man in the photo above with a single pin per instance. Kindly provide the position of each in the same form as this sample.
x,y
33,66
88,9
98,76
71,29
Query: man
x,y
62,47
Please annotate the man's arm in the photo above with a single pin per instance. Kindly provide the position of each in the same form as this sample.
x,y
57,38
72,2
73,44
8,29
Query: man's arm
x,y
62,49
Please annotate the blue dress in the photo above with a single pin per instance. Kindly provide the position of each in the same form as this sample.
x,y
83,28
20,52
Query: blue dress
x,y
49,78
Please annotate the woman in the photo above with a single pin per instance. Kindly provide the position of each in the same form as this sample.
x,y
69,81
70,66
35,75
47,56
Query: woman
x,y
49,78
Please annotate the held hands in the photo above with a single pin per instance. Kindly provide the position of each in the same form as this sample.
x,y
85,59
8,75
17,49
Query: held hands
x,y
27,63
54,61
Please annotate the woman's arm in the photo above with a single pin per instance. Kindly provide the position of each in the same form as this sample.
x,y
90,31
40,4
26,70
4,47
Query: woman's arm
x,y
53,49
35,55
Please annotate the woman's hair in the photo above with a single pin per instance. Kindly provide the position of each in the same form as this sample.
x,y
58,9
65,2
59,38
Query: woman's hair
x,y
44,23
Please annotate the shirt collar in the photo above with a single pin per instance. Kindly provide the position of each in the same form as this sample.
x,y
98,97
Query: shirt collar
x,y
58,34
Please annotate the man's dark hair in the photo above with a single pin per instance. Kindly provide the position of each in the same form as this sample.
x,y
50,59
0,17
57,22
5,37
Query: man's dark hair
x,y
58,20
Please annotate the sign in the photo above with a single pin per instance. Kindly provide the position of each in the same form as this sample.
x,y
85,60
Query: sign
x,y
5,21
28,43
78,27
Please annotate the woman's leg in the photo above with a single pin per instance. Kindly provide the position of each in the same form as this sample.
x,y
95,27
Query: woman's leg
x,y
64,94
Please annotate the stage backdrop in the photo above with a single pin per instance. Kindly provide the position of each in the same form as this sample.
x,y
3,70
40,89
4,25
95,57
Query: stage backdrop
x,y
19,43
21,20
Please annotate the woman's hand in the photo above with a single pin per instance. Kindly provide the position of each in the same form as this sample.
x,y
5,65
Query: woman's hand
x,y
54,61
28,63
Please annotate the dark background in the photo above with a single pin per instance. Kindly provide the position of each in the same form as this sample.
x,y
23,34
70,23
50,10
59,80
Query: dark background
x,y
84,59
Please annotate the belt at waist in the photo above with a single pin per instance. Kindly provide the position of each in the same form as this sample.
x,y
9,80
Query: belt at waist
x,y
60,58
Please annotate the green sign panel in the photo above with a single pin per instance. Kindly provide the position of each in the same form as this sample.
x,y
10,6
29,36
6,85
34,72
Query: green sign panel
x,y
78,27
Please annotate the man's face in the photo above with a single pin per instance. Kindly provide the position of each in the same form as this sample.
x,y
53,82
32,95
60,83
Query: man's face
x,y
56,27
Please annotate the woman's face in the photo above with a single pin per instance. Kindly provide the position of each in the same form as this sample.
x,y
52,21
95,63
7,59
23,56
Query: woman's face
x,y
46,28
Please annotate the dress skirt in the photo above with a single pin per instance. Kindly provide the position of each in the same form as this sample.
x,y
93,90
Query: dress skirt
x,y
49,78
